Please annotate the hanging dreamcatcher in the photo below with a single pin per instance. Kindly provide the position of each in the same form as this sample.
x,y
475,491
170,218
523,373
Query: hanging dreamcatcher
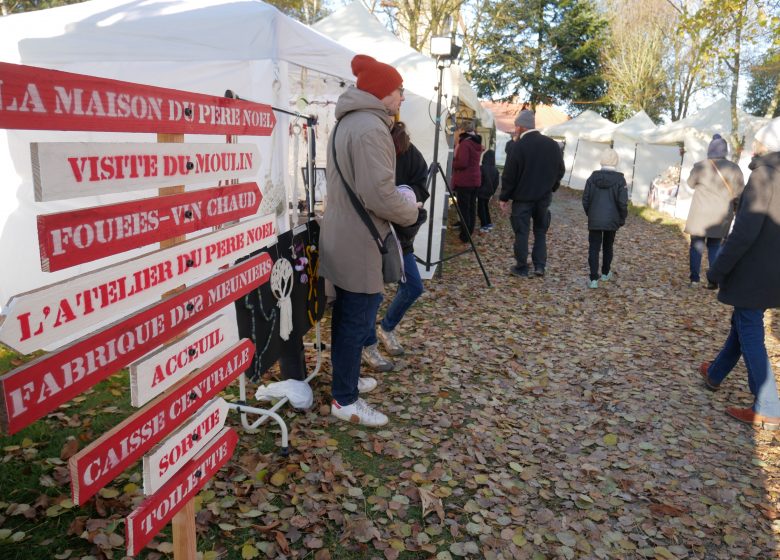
x,y
281,287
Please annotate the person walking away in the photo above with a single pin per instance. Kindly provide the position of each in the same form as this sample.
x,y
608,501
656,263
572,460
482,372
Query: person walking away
x,y
533,171
717,184
362,147
466,178
487,188
747,272
605,201
410,170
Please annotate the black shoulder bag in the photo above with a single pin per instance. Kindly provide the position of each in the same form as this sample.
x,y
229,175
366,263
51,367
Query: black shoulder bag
x,y
392,258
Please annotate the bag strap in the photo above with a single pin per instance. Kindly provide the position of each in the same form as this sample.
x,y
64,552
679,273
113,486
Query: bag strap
x,y
361,210
722,178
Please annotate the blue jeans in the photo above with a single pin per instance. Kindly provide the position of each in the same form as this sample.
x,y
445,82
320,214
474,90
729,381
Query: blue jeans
x,y
696,251
352,324
746,339
407,294
522,214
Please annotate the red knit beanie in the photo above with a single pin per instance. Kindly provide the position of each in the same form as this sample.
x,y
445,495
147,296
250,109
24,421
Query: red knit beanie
x,y
377,78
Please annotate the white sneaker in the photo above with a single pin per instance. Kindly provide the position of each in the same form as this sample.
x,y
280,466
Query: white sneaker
x,y
389,341
366,384
375,359
359,412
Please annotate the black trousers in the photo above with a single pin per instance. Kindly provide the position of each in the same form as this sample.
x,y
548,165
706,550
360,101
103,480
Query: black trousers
x,y
599,240
483,211
467,203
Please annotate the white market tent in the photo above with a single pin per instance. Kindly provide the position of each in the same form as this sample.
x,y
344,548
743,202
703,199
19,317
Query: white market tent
x,y
203,46
358,29
625,140
586,137
695,133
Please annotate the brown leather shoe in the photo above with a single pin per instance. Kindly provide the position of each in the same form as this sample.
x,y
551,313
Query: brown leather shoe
x,y
748,416
703,367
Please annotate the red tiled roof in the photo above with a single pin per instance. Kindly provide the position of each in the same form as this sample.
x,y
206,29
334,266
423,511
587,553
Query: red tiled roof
x,y
505,114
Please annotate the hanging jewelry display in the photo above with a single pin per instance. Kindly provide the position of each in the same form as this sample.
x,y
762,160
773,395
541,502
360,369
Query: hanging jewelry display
x,y
312,272
269,318
281,287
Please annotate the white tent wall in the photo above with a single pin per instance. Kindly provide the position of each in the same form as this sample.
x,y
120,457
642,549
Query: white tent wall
x,y
651,159
203,46
580,134
587,161
502,138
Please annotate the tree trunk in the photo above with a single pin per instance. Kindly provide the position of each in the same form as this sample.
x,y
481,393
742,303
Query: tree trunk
x,y
774,103
737,141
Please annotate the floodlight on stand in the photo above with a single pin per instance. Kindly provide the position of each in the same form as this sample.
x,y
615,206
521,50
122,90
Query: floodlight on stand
x,y
441,47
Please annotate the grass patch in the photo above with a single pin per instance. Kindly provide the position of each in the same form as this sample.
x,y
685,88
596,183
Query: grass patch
x,y
656,217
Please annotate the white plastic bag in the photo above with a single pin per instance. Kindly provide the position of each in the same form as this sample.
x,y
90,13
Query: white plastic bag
x,y
299,392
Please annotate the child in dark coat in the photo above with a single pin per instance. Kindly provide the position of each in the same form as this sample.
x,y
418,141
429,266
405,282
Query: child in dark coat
x,y
487,189
605,201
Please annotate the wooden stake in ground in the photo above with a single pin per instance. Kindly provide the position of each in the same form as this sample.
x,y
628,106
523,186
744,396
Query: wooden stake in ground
x,y
184,539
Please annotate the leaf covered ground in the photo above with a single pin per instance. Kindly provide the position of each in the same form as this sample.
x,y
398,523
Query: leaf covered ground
x,y
534,419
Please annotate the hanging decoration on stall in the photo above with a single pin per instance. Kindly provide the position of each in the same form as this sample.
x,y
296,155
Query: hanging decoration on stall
x,y
257,312
281,287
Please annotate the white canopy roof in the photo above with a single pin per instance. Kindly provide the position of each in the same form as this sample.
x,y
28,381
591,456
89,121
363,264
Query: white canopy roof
x,y
168,30
635,126
715,118
596,127
361,31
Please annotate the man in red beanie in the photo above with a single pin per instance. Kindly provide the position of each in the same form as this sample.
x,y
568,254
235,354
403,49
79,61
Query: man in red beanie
x,y
362,147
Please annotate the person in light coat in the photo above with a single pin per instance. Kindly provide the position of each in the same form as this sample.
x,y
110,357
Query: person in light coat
x,y
717,185
349,256
747,272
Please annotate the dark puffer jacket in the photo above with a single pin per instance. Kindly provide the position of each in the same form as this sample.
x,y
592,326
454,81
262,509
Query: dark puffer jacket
x,y
747,269
489,172
465,164
605,200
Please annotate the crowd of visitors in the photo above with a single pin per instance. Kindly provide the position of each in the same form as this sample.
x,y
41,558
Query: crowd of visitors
x,y
371,153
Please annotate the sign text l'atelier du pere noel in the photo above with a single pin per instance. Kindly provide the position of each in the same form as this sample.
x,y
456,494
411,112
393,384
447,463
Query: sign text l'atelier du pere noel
x,y
117,310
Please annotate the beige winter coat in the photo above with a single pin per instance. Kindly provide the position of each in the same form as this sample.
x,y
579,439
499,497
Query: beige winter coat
x,y
349,256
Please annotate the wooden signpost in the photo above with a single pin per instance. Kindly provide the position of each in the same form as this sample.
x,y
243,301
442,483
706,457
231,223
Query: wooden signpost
x,y
66,170
162,462
195,279
155,512
80,236
102,460
158,371
38,99
36,319
40,386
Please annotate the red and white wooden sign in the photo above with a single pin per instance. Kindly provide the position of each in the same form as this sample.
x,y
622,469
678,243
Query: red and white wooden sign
x,y
39,99
64,170
41,317
162,462
38,387
155,512
159,370
79,236
102,460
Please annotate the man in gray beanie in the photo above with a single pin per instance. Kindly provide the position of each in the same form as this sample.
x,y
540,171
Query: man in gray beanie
x,y
533,171
717,184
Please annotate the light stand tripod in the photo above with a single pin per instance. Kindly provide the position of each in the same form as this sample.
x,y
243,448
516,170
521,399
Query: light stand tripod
x,y
435,169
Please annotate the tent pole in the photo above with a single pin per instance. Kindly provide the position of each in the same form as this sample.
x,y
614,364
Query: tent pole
x,y
574,160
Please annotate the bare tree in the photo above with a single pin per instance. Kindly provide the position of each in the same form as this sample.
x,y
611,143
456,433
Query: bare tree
x,y
634,60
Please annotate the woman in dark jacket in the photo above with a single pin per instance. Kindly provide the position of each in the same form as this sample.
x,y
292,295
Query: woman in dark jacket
x,y
747,271
605,201
466,178
410,170
717,184
487,188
